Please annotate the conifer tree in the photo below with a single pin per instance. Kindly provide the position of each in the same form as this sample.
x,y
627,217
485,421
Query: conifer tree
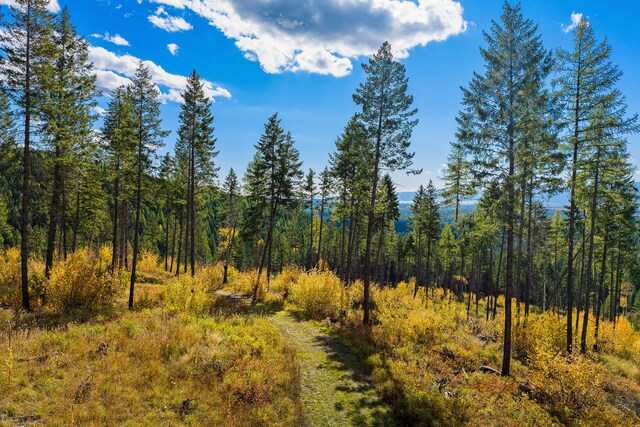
x,y
119,131
310,193
66,112
197,145
27,47
325,188
516,65
232,188
388,116
587,81
272,179
149,137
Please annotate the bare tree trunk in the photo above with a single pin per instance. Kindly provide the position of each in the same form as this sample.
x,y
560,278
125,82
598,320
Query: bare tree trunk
x,y
53,214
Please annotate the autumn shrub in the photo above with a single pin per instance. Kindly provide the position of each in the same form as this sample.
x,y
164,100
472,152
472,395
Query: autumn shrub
x,y
319,294
539,333
10,277
568,386
187,294
620,339
148,263
282,283
210,276
83,281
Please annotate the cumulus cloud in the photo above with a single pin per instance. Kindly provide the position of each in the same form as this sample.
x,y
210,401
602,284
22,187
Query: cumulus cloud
x,y
116,39
53,5
324,36
113,70
173,48
575,20
172,24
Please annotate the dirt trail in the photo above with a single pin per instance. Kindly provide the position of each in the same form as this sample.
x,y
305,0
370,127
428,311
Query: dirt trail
x,y
335,392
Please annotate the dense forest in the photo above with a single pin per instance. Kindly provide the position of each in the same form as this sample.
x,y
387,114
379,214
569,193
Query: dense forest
x,y
89,211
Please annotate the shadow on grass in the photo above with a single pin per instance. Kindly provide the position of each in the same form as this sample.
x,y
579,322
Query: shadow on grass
x,y
356,381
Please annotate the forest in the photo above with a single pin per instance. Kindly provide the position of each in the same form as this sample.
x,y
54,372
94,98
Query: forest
x,y
139,288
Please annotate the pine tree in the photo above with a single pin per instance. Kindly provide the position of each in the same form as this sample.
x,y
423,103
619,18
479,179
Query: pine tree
x,y
149,137
325,187
458,184
119,131
66,111
387,211
197,144
232,188
27,47
271,180
350,166
495,105
310,193
587,80
387,114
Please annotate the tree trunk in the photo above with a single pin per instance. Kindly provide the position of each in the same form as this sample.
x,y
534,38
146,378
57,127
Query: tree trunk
x,y
136,230
594,211
600,289
53,214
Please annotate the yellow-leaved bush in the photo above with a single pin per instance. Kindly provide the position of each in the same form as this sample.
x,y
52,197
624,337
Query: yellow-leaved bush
x,y
83,281
187,294
402,319
319,294
10,277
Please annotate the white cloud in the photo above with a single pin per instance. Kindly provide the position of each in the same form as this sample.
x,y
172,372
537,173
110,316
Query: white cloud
x,y
172,24
99,110
114,70
324,36
116,39
53,5
173,48
575,20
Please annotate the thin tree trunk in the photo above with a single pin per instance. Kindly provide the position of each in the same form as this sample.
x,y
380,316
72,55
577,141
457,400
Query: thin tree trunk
x,y
136,231
116,207
600,289
26,172
594,211
53,214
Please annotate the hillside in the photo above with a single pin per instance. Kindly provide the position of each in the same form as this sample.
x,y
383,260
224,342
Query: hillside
x,y
193,354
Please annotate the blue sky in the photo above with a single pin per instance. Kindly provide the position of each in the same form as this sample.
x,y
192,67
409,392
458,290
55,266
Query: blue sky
x,y
302,59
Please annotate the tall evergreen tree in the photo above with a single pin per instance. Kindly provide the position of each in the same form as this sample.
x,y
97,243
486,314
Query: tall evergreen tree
x,y
66,111
388,116
27,47
232,188
196,144
149,137
119,131
516,65
587,79
310,193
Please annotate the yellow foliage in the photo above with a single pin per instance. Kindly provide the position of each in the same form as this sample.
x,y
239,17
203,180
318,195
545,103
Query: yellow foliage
x,y
10,278
282,283
319,294
187,294
148,263
83,281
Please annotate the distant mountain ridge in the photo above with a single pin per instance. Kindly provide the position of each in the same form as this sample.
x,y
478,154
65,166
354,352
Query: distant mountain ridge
x,y
556,201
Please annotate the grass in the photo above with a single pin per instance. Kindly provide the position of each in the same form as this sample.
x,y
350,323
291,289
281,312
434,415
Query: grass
x,y
149,367
335,389
193,354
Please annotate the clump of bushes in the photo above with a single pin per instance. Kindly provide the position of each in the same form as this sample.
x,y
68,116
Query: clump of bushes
x,y
319,294
83,281
188,294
